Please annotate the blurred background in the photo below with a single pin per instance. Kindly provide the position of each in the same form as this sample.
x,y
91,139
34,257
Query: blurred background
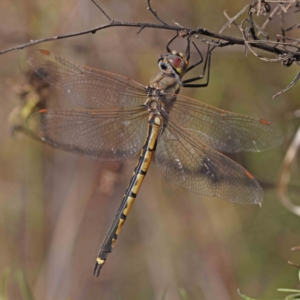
x,y
55,206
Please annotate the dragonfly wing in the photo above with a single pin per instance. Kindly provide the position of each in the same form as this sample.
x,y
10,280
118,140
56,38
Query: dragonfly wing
x,y
187,162
222,130
103,134
86,86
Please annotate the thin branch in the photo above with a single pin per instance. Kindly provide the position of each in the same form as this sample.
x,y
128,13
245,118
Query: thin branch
x,y
285,52
102,10
292,27
281,58
295,41
139,31
251,29
282,1
261,31
154,13
230,21
190,31
285,174
113,23
289,86
270,18
258,7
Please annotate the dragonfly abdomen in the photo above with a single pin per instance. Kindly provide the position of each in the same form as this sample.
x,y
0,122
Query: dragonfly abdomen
x,y
140,171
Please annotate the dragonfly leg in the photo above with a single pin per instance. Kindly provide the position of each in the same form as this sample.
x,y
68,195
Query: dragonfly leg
x,y
169,43
198,62
186,83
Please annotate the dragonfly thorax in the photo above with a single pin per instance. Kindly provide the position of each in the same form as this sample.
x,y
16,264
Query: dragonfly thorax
x,y
159,101
163,88
164,83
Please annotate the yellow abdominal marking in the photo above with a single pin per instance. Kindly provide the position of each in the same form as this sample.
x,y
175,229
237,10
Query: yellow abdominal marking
x,y
113,241
121,222
100,261
129,204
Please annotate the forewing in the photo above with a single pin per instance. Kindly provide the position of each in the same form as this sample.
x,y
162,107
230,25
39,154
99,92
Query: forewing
x,y
104,134
86,86
187,162
222,130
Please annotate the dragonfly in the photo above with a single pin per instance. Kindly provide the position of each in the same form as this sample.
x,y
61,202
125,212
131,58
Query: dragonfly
x,y
122,118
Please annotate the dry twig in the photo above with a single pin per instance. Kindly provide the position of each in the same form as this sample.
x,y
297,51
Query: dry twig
x,y
285,50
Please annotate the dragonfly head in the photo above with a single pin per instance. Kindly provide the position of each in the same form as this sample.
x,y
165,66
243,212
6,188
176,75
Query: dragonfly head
x,y
174,62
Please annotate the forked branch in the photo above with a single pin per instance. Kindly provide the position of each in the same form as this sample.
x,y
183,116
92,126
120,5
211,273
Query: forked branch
x,y
285,50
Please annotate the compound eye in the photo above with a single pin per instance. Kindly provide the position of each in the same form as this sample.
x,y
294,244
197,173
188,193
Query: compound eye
x,y
162,65
176,61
